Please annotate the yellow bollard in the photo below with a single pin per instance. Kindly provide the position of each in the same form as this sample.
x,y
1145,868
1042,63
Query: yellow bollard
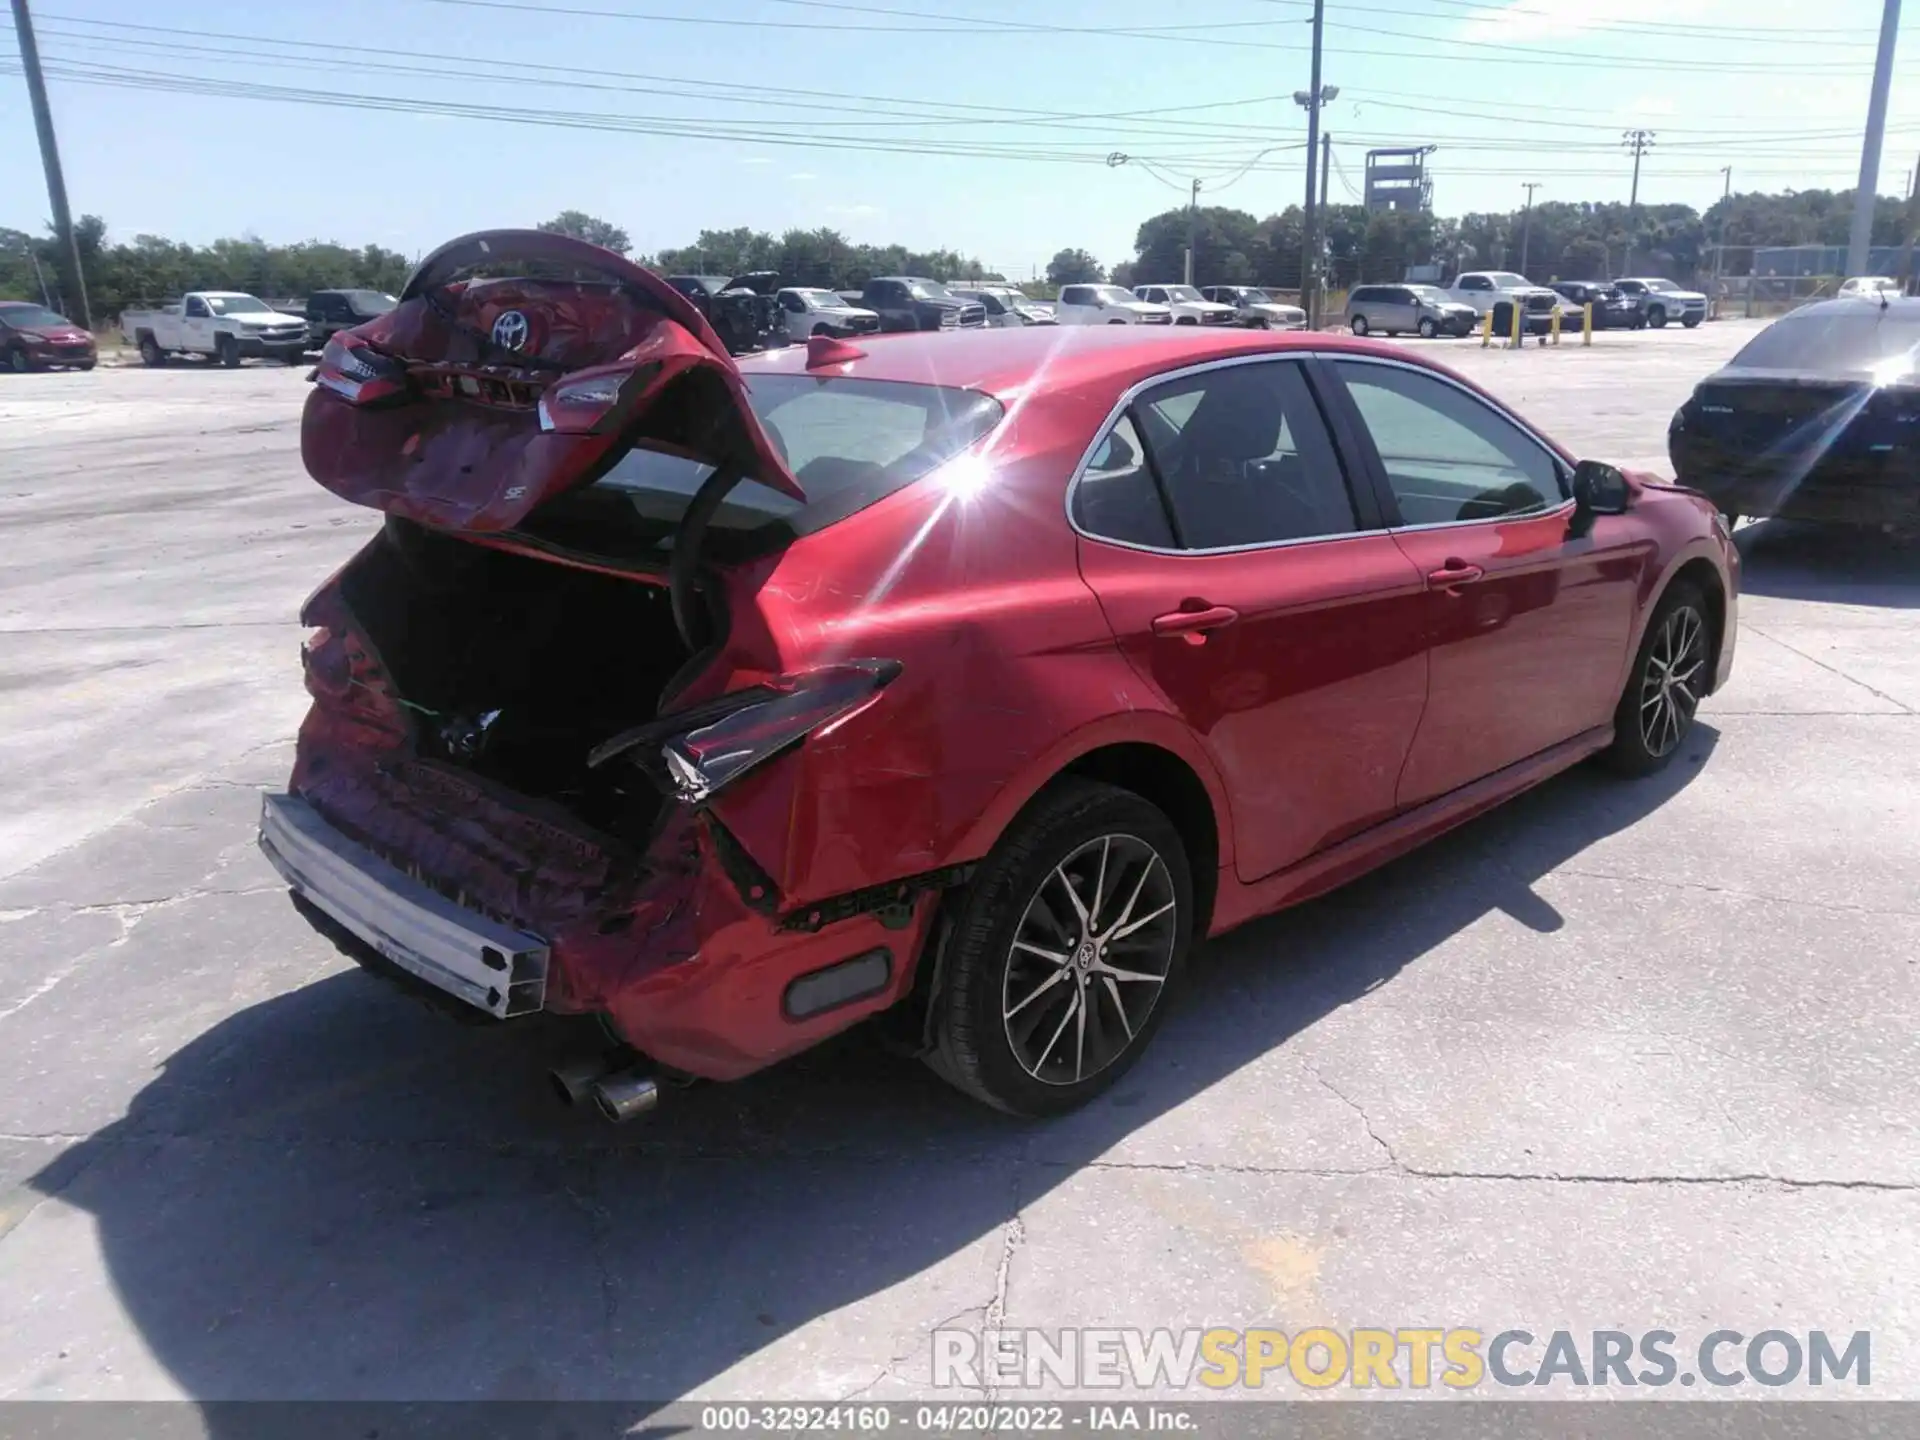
x,y
1586,323
1553,326
1517,341
1486,330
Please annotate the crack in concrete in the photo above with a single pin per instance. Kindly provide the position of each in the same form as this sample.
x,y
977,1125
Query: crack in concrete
x,y
1735,891
1393,1160
1904,708
139,907
888,1370
1012,1236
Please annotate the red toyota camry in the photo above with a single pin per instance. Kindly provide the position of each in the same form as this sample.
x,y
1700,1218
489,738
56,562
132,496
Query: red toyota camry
x,y
969,677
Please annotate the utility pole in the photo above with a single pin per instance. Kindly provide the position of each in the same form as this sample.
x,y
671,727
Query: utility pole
x,y
1726,213
1866,194
1313,98
1526,224
1639,142
50,158
1193,226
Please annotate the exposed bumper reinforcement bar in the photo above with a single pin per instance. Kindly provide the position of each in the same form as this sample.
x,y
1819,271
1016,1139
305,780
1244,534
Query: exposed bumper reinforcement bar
x,y
473,958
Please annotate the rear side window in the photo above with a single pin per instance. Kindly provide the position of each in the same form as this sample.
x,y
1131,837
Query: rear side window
x,y
1245,457
1075,295
1364,295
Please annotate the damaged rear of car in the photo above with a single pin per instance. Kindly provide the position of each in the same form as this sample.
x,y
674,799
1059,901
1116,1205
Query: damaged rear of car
x,y
540,693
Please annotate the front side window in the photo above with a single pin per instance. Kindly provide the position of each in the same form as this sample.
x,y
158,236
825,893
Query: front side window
x,y
1245,457
1449,456
1475,282
1075,295
1117,498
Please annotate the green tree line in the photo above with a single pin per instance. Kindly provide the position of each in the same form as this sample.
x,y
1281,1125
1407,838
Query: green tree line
x,y
150,269
1559,238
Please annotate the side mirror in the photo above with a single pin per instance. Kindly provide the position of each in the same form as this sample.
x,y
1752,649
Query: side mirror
x,y
1598,489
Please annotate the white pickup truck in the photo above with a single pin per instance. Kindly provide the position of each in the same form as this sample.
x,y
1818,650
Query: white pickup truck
x,y
1483,289
224,325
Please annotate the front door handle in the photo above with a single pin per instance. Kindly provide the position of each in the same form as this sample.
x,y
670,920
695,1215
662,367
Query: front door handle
x,y
1454,572
1195,625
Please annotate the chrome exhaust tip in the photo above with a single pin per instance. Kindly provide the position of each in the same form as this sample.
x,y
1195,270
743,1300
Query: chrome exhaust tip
x,y
574,1083
622,1097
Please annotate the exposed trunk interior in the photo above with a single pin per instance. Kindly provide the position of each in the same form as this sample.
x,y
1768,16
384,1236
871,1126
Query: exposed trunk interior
x,y
515,668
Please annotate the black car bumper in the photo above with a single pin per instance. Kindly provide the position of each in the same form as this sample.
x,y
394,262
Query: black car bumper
x,y
1846,489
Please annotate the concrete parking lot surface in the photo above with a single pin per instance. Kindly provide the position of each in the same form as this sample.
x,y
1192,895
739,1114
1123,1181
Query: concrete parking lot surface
x,y
1620,1056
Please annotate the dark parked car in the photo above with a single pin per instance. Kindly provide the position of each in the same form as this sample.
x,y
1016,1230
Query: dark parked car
x,y
734,702
744,311
1613,309
906,302
1818,418
32,337
332,310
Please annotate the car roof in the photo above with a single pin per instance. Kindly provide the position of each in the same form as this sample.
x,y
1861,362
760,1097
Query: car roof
x,y
1904,306
1003,363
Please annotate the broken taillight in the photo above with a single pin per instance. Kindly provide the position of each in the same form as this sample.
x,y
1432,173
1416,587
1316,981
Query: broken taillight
x,y
715,743
593,402
356,372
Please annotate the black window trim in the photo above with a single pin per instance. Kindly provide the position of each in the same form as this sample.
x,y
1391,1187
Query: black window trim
x,y
1370,463
1369,520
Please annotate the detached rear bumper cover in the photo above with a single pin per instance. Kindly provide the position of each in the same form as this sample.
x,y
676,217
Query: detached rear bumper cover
x,y
489,965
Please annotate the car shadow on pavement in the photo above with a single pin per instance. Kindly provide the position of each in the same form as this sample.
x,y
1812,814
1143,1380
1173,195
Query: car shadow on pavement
x,y
1837,564
337,1194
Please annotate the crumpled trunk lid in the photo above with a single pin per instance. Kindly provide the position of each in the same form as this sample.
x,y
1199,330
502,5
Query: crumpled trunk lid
x,y
517,366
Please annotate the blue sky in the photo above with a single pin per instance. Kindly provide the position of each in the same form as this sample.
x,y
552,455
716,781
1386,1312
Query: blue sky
x,y
982,125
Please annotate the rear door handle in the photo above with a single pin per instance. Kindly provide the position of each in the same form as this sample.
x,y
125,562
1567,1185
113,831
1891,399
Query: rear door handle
x,y
1195,625
1454,572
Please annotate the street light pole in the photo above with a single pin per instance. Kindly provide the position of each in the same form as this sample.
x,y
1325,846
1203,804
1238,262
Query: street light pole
x,y
1867,193
1526,224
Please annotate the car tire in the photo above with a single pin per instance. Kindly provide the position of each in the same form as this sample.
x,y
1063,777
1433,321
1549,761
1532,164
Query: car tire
x,y
1116,322
1428,329
1657,318
226,350
86,365
1664,689
999,961
1358,324
151,355
1691,322
19,361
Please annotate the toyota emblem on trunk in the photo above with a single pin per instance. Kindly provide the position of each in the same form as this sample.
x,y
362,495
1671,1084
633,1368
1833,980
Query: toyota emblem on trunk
x,y
510,330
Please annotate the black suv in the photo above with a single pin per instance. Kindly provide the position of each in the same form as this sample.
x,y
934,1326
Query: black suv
x,y
331,310
1612,310
744,311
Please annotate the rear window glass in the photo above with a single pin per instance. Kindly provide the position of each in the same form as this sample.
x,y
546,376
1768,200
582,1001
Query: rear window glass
x,y
849,442
1835,340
